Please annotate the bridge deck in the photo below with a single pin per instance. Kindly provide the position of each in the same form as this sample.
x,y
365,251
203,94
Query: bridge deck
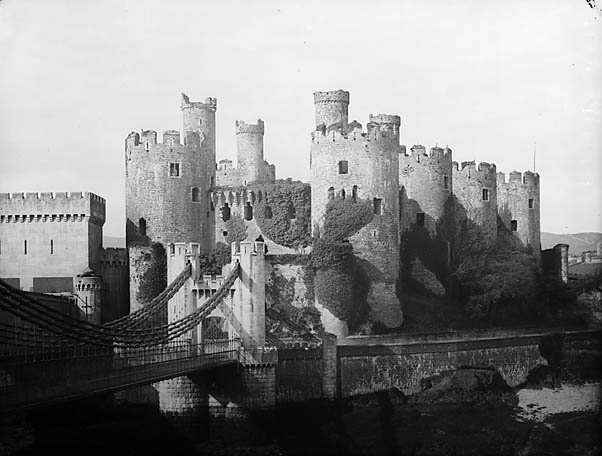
x,y
117,375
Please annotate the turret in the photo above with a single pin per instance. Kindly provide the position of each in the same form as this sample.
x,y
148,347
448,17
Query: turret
x,y
249,150
388,125
88,287
199,118
332,109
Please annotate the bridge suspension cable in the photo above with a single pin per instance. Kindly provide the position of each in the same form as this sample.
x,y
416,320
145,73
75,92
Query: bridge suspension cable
x,y
121,334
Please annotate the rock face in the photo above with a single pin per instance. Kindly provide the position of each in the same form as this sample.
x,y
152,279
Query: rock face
x,y
463,385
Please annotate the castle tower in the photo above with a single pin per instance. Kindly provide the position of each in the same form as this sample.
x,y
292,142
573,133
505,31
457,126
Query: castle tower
x,y
249,151
518,207
168,183
426,184
362,165
332,109
475,189
168,190
88,287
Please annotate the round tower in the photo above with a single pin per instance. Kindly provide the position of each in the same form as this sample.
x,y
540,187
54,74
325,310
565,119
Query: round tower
x,y
249,151
332,109
425,180
88,287
363,166
475,189
518,207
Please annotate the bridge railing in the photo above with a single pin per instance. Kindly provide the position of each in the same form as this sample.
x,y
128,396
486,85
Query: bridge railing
x,y
35,381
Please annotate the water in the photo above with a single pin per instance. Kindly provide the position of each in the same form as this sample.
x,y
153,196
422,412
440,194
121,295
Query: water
x,y
538,404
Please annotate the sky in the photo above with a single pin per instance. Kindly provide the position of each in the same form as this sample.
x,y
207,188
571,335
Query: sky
x,y
493,80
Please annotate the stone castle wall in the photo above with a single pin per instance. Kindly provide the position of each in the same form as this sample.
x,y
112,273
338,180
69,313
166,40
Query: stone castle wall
x,y
116,290
470,182
518,200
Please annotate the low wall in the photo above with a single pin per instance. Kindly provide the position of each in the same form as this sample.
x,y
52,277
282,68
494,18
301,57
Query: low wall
x,y
375,367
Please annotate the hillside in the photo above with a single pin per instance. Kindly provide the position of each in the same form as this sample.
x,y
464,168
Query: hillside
x,y
577,242
112,241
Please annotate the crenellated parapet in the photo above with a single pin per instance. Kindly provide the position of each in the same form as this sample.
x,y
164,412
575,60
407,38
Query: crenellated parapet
x,y
52,207
528,178
210,103
114,257
243,128
374,133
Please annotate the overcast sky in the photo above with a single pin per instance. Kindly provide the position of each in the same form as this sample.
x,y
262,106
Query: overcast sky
x,y
486,78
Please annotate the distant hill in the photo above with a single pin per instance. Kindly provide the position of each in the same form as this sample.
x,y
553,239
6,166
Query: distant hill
x,y
111,241
577,242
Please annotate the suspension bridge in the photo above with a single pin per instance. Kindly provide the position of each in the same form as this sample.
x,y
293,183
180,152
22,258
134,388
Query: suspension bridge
x,y
197,323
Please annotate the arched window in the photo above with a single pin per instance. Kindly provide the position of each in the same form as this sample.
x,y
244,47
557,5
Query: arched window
x,y
354,193
142,226
331,193
196,194
343,194
248,211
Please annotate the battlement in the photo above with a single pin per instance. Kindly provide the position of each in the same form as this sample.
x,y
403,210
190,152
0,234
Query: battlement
x,y
528,178
171,137
385,119
469,167
52,206
419,154
333,96
210,103
147,139
243,128
114,257
375,133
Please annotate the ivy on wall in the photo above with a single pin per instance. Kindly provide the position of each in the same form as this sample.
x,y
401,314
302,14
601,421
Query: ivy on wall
x,y
284,212
154,279
237,230
340,283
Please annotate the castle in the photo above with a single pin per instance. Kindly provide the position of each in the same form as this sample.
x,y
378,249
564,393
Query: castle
x,y
177,193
